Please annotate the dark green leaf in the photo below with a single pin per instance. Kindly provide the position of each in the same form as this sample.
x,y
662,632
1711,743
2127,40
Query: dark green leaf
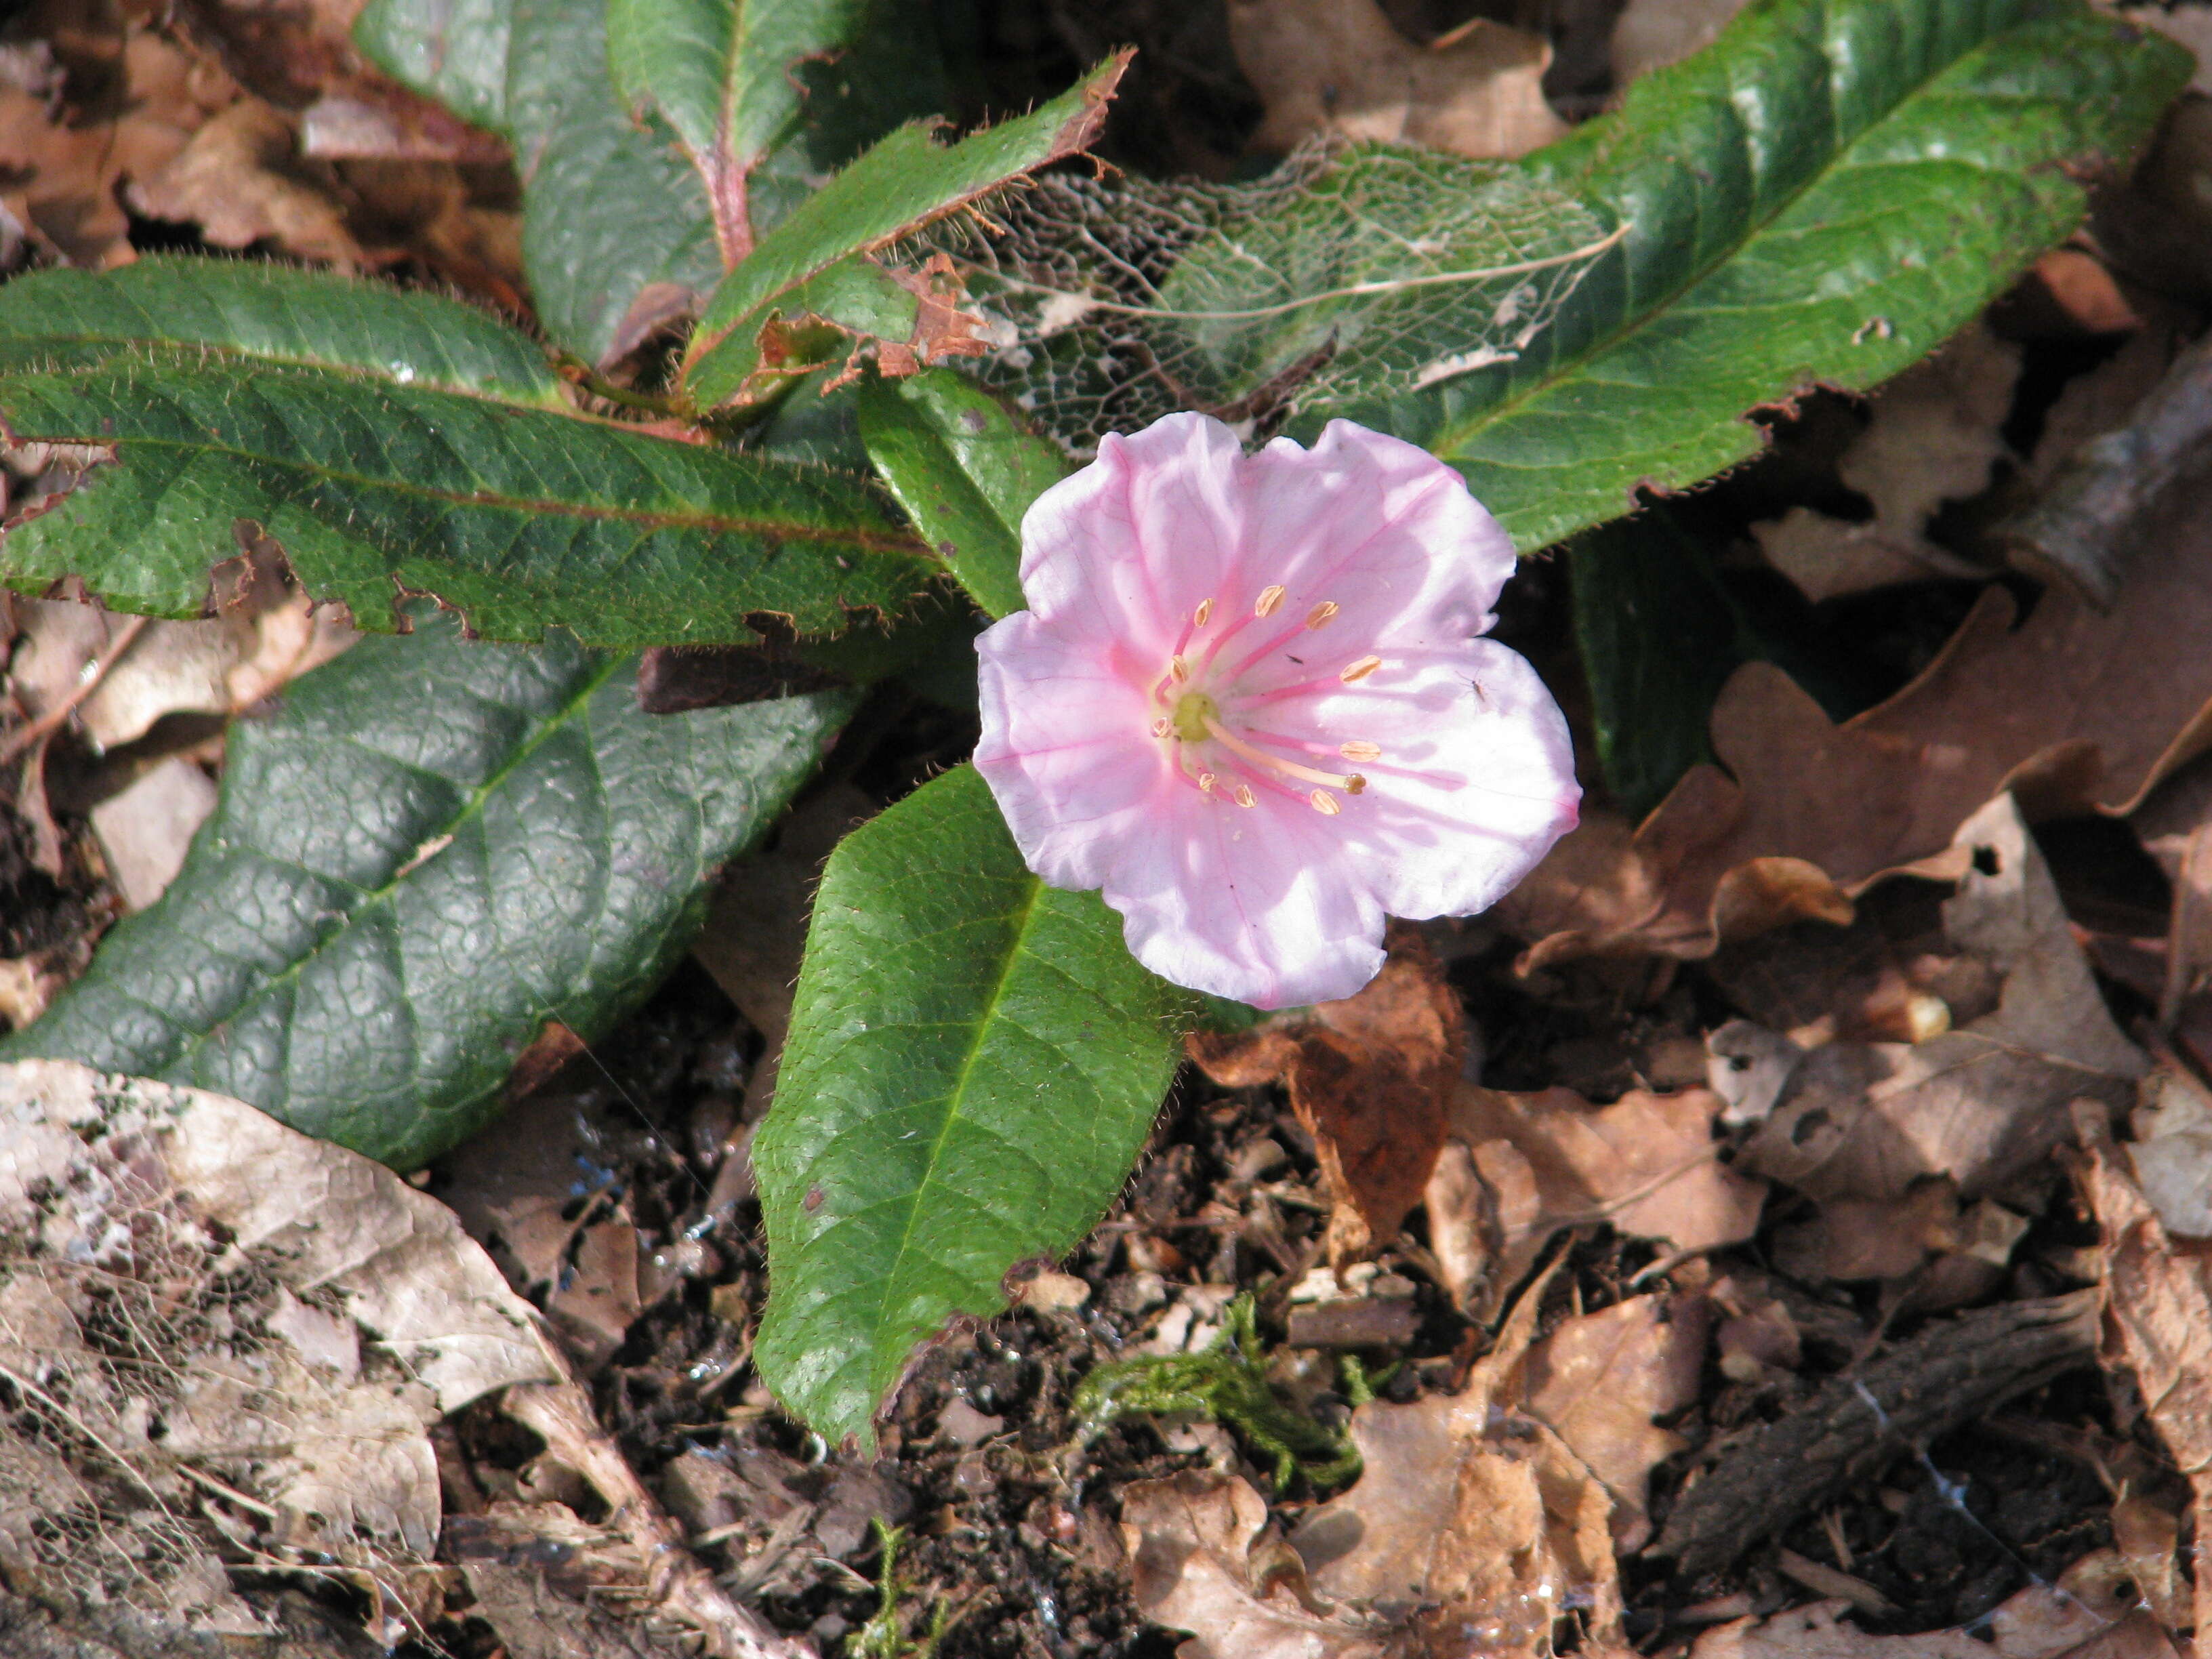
x,y
974,1063
232,309
725,75
1658,637
453,51
434,849
1825,194
965,471
901,184
522,519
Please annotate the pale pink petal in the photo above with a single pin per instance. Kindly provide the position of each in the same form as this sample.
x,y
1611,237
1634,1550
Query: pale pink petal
x,y
1477,778
1064,748
1245,904
1128,546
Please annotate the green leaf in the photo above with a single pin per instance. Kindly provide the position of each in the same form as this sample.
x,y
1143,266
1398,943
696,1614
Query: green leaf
x,y
900,185
223,309
617,234
1824,194
725,73
434,848
965,471
974,1063
1658,636
522,519
453,51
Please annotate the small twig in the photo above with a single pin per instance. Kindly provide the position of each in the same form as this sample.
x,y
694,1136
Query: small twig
x,y
50,723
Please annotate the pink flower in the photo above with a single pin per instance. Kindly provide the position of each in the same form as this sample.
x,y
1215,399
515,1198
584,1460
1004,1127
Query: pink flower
x,y
1246,701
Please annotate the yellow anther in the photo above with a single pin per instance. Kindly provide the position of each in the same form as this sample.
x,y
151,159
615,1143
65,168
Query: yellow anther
x,y
1205,782
1162,727
1270,601
1178,669
1360,670
1205,609
1325,803
1360,751
1320,613
1245,797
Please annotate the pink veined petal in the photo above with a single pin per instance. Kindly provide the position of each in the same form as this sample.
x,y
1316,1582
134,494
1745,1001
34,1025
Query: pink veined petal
x,y
1128,546
1476,781
1378,527
1254,905
1065,749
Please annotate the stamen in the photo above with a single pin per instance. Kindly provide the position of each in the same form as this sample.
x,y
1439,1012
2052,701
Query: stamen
x,y
1205,782
1260,757
1358,670
1245,797
1355,784
1162,727
1359,750
1320,614
1325,803
1205,609
1179,670
1270,600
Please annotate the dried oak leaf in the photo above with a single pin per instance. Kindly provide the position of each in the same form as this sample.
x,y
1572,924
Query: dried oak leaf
x,y
1520,1167
1474,1523
2074,710
1341,67
1369,1078
1982,1105
238,179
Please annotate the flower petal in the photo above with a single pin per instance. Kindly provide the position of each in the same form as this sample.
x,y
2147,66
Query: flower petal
x,y
1476,781
1066,747
1255,905
1128,546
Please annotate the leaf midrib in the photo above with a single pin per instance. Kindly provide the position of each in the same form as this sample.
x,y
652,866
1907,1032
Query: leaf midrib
x,y
953,1100
373,898
1449,440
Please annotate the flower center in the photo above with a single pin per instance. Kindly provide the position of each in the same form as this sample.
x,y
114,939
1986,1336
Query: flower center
x,y
1195,716
1192,713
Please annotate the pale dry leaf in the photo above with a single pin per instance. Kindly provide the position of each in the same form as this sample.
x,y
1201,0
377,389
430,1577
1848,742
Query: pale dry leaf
x,y
1933,437
2171,1151
2076,710
1341,67
1650,34
1601,1379
1981,1106
2159,1323
239,181
1368,1077
1188,1540
1472,1523
144,830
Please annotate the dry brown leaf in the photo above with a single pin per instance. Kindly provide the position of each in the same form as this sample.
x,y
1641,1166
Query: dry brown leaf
x,y
144,829
2034,1624
237,180
218,1273
2158,1322
1472,1524
1934,437
1520,1167
1189,1540
1601,1379
2075,709
1341,67
1983,1105
1650,34
1369,1078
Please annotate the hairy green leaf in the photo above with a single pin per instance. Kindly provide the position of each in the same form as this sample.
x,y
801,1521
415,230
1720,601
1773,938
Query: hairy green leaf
x,y
433,849
974,1063
216,310
522,519
965,471
453,51
1823,196
725,73
900,185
